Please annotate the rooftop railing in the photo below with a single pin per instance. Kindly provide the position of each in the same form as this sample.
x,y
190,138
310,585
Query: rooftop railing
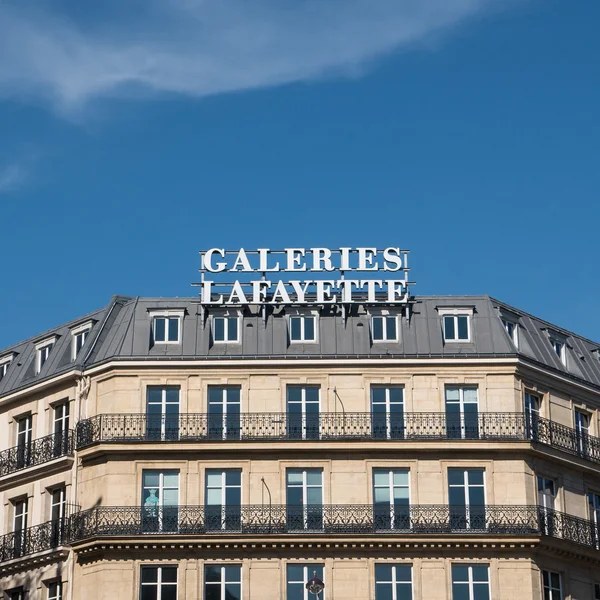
x,y
426,426
37,452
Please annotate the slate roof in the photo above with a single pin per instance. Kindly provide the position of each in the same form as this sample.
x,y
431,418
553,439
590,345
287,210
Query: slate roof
x,y
122,331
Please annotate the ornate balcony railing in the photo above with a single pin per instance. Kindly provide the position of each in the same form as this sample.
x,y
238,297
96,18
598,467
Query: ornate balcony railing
x,y
336,426
343,519
37,452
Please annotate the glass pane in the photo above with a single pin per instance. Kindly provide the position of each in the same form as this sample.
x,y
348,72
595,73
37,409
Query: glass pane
x,y
219,324
215,395
233,477
404,592
378,395
151,478
169,574
476,496
294,496
481,591
463,333
212,573
456,477
312,393
452,394
233,573
154,394
171,479
313,477
470,394
381,478
460,591
233,328
149,574
295,591
403,573
296,332
383,573
383,591
159,330
149,592
233,395
233,496
233,591
449,328
396,394
309,328
401,478
172,394
314,496
382,495
401,495
214,479
295,572
294,476
213,497
377,328
391,328
213,592
475,476
294,393
480,573
168,592
173,330
170,497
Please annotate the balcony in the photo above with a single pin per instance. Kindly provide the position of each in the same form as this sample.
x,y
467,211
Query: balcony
x,y
269,427
37,452
330,520
32,540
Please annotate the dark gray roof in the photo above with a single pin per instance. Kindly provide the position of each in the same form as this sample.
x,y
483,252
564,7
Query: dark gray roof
x,y
122,331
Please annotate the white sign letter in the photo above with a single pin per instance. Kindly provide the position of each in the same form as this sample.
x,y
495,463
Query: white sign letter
x,y
241,260
294,256
264,256
324,291
208,260
365,259
321,255
392,256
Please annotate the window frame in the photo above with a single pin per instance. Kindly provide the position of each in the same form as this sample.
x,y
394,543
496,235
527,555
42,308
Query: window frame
x,y
303,339
223,583
159,581
508,323
226,318
59,590
394,581
550,588
46,344
470,580
454,313
385,339
166,314
82,330
306,575
5,362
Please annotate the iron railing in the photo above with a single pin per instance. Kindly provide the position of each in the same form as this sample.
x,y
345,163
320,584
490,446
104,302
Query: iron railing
x,y
427,426
37,452
344,519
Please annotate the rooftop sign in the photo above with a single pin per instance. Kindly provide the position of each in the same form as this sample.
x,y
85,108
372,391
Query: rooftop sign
x,y
311,276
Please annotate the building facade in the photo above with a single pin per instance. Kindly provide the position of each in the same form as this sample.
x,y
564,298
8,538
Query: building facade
x,y
156,451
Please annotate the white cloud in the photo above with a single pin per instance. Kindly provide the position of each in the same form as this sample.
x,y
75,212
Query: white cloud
x,y
202,47
11,177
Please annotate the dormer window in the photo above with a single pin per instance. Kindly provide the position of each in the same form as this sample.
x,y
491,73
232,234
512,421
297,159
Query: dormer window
x,y
166,326
4,364
384,328
512,329
456,324
79,335
226,329
43,350
559,345
303,328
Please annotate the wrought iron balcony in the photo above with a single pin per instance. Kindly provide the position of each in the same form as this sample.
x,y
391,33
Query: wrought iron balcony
x,y
32,540
336,426
343,519
37,452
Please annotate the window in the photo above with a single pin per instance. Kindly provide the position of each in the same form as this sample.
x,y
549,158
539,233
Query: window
x,y
512,329
55,590
384,329
546,492
559,345
162,413
24,441
387,412
160,499
582,431
222,582
16,594
391,499
58,512
304,499
4,364
597,591
20,526
61,429
303,329
466,496
298,576
223,499
456,328
462,414
79,335
594,508
226,329
552,585
393,582
303,405
532,414
470,582
158,583
166,327
224,412
43,350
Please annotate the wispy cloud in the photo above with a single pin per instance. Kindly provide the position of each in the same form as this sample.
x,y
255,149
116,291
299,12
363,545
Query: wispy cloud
x,y
11,177
201,47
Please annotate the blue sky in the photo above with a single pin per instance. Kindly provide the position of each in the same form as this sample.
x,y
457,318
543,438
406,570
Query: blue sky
x,y
136,133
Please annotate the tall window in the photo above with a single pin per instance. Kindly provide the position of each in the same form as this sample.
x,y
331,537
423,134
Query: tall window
x,y
546,500
532,414
559,348
303,329
466,495
223,499
43,352
166,329
462,414
387,412
24,441
58,512
384,329
552,585
222,582
4,364
511,329
582,431
391,499
162,412
17,594
594,509
303,412
456,328
160,499
470,582
61,429
158,583
226,329
224,412
393,582
304,499
20,526
55,590
297,576
79,336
